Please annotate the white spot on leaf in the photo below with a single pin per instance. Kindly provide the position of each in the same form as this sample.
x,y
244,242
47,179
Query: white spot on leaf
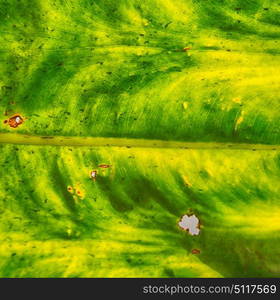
x,y
190,223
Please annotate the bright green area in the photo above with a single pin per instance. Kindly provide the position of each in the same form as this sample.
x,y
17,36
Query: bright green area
x,y
125,223
113,73
117,68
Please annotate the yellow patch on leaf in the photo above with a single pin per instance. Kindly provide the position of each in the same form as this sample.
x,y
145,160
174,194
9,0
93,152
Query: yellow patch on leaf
x,y
236,100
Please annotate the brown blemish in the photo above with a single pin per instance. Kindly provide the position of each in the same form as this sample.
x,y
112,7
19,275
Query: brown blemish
x,y
195,251
14,121
76,192
79,192
104,166
186,49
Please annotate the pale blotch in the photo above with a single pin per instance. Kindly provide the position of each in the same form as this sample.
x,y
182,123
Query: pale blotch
x,y
239,120
18,120
187,181
185,105
236,100
190,224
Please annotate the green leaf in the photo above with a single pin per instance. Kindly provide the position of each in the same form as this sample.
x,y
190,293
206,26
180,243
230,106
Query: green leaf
x,y
174,104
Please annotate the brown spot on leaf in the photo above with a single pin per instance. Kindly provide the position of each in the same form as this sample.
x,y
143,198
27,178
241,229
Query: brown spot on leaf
x,y
104,166
14,121
186,49
195,251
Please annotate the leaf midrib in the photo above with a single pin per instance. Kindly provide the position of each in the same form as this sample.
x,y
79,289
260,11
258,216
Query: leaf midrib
x,y
72,141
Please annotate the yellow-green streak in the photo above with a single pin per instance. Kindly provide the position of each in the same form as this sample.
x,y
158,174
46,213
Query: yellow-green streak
x,y
10,138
